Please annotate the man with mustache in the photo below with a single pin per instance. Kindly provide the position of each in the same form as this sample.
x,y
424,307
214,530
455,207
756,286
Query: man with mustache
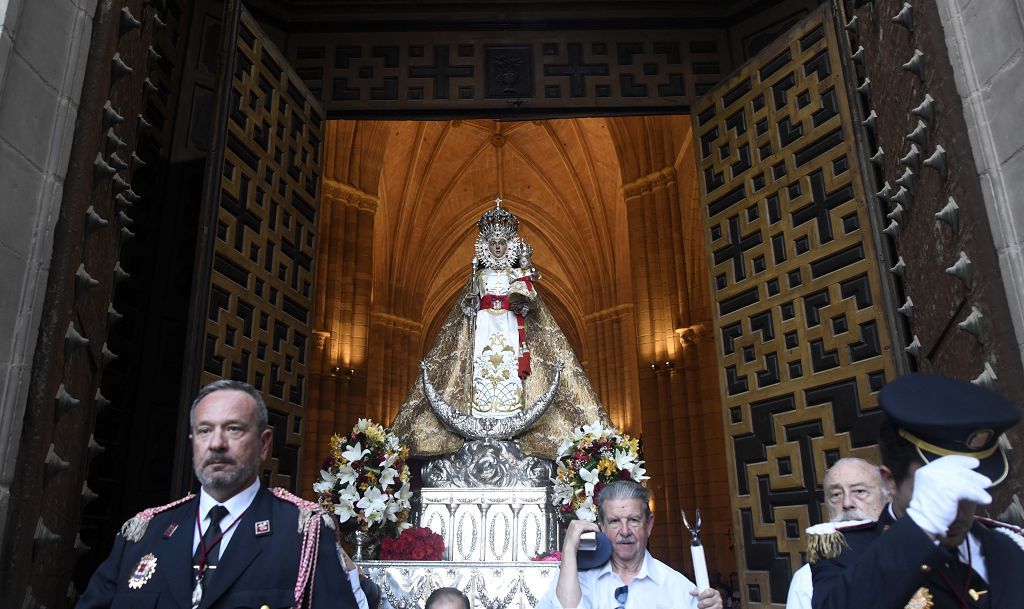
x,y
236,543
854,490
940,453
631,578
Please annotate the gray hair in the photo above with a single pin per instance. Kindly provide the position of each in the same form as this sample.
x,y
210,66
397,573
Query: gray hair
x,y
261,415
623,489
858,461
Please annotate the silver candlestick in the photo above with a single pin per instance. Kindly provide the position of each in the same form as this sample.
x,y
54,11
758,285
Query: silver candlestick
x,y
700,564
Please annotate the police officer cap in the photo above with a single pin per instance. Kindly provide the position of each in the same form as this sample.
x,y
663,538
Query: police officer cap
x,y
943,416
592,559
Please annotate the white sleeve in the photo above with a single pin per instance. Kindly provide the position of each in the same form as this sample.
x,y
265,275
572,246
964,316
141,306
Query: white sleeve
x,y
357,590
550,600
800,589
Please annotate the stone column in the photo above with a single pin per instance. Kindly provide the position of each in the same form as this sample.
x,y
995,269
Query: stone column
x,y
341,320
611,346
682,430
394,365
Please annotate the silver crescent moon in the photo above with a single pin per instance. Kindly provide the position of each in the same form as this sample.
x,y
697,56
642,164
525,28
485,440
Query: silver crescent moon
x,y
477,428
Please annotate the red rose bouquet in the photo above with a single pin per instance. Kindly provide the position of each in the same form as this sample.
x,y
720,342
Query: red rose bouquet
x,y
416,543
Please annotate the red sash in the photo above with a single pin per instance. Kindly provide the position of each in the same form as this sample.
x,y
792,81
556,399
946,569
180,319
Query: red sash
x,y
496,301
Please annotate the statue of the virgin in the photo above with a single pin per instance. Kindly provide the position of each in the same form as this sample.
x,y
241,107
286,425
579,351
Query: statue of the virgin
x,y
498,357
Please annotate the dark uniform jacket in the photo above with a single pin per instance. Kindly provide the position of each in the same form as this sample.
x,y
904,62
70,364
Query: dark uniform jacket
x,y
258,567
884,571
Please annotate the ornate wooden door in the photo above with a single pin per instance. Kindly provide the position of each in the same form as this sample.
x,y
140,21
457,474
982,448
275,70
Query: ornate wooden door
x,y
258,324
799,314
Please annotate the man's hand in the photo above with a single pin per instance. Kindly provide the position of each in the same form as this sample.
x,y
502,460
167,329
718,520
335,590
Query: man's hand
x,y
576,528
938,488
567,589
708,599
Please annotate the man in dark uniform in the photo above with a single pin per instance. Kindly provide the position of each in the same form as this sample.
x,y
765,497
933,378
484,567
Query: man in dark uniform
x,y
940,452
236,544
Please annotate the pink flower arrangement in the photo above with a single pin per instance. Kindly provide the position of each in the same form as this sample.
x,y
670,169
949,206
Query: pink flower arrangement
x,y
548,556
416,543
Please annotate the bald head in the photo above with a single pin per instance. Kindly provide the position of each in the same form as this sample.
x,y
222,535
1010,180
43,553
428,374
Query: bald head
x,y
854,490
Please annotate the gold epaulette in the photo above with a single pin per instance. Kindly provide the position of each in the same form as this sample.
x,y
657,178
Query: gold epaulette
x,y
135,527
825,540
306,508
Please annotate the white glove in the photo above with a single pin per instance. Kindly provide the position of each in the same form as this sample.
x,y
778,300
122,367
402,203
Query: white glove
x,y
938,488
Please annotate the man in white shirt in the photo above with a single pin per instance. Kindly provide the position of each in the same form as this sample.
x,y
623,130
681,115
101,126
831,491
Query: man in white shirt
x,y
854,490
235,545
632,578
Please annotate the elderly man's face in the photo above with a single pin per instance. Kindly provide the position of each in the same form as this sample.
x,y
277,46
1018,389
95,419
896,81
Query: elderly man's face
x,y
627,527
227,446
853,491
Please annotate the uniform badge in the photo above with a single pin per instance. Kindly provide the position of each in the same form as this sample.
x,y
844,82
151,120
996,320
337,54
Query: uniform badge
x,y
922,599
263,527
143,572
979,439
170,530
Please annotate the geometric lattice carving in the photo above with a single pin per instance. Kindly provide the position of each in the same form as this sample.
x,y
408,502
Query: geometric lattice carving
x,y
451,71
803,346
259,312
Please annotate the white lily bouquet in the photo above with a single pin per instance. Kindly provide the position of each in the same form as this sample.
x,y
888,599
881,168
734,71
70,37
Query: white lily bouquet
x,y
592,457
365,480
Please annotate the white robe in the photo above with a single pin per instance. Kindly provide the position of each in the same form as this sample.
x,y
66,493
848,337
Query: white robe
x,y
497,388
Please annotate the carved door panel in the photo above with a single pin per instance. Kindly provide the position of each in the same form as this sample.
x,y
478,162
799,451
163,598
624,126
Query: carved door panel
x,y
258,324
802,337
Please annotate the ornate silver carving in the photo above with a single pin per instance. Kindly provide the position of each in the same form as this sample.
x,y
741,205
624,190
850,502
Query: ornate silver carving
x,y
488,463
477,428
407,584
500,516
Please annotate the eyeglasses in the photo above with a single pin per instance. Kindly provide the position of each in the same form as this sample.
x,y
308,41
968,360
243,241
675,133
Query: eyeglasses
x,y
621,594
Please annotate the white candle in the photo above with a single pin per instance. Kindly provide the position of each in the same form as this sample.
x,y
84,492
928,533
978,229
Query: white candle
x,y
700,567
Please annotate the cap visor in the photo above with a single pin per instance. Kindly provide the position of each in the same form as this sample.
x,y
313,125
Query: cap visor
x,y
994,467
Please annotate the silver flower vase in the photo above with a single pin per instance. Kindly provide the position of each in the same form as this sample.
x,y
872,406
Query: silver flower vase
x,y
364,544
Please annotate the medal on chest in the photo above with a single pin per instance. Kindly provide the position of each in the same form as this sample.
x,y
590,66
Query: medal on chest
x,y
143,572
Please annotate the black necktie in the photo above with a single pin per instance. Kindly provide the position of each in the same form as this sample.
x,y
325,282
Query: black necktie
x,y
210,537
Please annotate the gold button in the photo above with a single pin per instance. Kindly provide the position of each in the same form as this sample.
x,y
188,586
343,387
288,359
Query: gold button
x,y
925,568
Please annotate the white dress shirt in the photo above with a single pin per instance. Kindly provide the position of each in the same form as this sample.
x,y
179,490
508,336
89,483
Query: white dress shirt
x,y
656,586
800,589
235,506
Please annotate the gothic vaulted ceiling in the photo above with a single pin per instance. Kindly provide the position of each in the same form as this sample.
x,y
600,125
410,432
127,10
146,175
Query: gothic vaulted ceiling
x,y
562,178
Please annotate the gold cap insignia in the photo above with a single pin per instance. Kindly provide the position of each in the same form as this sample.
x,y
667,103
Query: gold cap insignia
x,y
979,439
143,572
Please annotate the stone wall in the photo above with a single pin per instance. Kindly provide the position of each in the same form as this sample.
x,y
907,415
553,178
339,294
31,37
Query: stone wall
x,y
43,49
986,50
